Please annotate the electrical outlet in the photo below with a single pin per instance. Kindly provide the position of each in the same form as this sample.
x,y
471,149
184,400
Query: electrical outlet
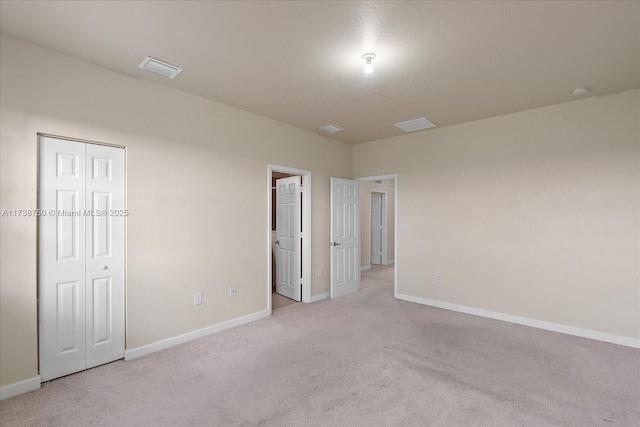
x,y
197,298
438,277
232,290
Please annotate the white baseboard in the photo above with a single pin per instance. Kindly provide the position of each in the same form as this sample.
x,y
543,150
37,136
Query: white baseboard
x,y
21,387
389,262
190,336
540,324
320,297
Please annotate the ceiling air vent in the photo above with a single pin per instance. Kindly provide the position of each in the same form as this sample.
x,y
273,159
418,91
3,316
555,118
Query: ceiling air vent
x,y
331,128
415,124
160,67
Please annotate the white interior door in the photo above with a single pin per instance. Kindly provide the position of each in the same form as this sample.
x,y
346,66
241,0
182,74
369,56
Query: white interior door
x,y
81,256
105,254
345,224
288,214
376,228
61,273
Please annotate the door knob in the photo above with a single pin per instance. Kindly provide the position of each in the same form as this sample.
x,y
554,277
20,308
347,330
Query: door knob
x,y
335,244
277,242
103,267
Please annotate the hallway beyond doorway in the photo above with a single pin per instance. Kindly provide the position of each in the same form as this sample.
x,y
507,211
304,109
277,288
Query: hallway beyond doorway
x,y
379,277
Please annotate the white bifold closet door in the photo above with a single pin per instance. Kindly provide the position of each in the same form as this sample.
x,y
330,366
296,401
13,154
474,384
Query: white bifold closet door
x,y
81,256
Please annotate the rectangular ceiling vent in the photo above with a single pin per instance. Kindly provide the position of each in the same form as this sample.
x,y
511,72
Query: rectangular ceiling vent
x,y
331,128
415,124
160,67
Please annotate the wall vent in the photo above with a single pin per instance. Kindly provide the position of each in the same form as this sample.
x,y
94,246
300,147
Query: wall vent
x,y
415,124
160,67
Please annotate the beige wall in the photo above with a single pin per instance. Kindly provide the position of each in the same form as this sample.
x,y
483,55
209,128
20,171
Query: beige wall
x,y
197,181
388,187
533,214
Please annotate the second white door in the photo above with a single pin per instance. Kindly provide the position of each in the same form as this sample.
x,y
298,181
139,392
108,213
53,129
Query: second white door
x,y
345,236
376,228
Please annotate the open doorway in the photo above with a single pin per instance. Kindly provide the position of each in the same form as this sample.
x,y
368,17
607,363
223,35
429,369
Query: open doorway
x,y
378,225
286,229
289,252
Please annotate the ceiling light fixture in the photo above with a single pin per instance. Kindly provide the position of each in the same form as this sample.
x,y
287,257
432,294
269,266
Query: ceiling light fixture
x,y
368,66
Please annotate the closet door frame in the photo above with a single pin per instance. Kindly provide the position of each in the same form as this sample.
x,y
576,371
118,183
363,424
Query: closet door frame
x,y
77,172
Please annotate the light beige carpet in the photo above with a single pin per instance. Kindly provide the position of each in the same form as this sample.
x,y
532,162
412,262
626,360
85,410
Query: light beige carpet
x,y
364,359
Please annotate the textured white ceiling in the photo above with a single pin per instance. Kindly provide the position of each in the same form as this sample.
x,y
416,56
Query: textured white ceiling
x,y
300,62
